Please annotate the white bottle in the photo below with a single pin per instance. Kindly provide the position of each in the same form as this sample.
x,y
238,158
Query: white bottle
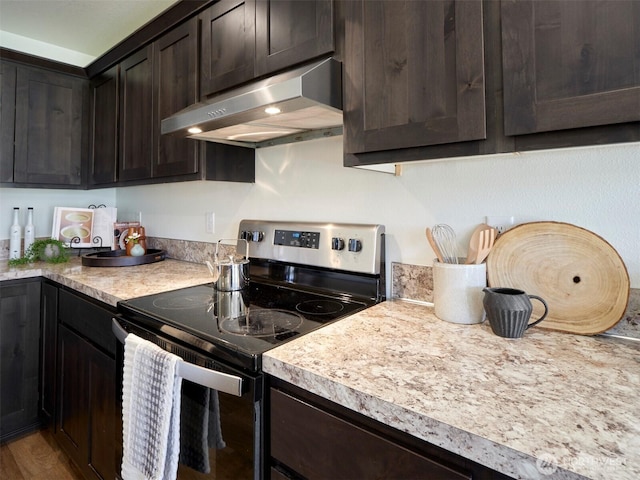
x,y
29,230
15,235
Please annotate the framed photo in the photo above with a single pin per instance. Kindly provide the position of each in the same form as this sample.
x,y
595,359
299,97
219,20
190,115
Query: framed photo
x,y
73,226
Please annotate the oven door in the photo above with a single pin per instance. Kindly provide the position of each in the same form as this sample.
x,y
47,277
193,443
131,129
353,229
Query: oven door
x,y
240,412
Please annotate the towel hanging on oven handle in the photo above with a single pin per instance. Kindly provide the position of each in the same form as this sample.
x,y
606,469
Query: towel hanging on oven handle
x,y
222,382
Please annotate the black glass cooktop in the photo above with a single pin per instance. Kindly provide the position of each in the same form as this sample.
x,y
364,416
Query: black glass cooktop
x,y
236,326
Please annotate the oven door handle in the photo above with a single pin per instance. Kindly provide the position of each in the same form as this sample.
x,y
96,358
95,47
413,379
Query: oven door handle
x,y
223,382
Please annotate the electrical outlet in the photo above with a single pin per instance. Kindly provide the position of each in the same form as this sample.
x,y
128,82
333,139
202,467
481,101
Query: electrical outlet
x,y
210,221
500,223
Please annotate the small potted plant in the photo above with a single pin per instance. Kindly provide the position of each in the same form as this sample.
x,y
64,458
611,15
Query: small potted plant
x,y
45,249
134,247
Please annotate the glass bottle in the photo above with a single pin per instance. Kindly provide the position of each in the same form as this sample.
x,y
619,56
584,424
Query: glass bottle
x,y
29,230
15,235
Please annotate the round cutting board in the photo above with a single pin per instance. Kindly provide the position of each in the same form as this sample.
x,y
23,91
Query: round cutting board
x,y
579,274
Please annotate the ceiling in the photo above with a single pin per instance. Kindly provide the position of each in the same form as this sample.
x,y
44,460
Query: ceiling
x,y
89,27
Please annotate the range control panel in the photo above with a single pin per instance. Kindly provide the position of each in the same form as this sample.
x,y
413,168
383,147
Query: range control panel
x,y
297,238
344,246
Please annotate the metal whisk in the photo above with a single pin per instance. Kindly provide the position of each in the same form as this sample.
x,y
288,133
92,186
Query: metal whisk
x,y
445,239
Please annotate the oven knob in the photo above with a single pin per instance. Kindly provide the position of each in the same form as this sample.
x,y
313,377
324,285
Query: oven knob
x,y
257,236
355,245
337,243
245,235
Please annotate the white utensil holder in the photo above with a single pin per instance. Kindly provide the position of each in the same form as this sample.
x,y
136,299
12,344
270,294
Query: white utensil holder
x,y
457,291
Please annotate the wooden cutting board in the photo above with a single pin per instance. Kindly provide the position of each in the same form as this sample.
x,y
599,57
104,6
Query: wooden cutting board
x,y
578,273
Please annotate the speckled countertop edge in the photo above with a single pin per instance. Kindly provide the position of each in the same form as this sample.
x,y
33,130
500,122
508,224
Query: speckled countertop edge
x,y
569,400
112,284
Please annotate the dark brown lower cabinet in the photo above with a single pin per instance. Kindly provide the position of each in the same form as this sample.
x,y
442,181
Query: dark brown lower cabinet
x,y
48,345
87,412
313,438
19,348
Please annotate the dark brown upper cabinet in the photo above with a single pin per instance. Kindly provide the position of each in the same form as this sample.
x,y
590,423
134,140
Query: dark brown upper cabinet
x,y
130,100
51,115
7,120
175,77
570,64
136,116
246,39
290,32
413,74
227,45
148,86
103,168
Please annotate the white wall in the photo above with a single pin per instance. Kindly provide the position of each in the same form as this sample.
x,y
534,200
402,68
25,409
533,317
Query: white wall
x,y
43,202
597,188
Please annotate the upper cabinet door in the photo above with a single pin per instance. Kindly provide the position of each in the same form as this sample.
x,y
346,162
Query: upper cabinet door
x,y
175,83
227,45
570,64
104,128
7,120
413,74
136,116
290,32
50,121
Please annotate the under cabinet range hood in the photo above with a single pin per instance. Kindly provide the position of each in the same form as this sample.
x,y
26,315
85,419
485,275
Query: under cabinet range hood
x,y
299,104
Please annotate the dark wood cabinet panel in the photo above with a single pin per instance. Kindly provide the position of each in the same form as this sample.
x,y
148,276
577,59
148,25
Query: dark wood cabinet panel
x,y
51,118
227,45
570,64
73,395
102,450
48,345
290,32
413,74
175,84
104,128
20,353
314,438
318,445
136,116
247,39
87,412
7,120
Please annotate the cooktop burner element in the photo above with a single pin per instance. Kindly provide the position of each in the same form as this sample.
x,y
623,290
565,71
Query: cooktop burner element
x,y
173,302
263,323
319,307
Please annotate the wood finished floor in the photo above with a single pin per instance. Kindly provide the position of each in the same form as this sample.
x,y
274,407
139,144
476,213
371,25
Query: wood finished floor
x,y
35,457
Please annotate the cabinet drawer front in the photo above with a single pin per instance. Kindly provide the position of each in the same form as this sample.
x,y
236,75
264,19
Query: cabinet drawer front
x,y
89,320
318,445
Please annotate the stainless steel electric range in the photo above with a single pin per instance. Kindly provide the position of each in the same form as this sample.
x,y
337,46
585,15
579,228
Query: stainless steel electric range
x,y
303,276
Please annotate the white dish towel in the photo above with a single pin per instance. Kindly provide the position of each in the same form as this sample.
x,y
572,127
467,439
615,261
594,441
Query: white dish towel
x,y
150,411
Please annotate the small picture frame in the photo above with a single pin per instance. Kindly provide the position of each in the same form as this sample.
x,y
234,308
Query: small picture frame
x,y
73,226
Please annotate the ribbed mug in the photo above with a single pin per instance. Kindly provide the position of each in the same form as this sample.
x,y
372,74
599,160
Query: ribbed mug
x,y
509,311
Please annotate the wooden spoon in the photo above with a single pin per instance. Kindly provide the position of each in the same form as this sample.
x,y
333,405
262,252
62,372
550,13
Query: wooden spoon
x,y
434,246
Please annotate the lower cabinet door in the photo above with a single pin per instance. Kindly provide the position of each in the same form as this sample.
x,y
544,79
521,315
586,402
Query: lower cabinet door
x,y
86,405
315,444
19,347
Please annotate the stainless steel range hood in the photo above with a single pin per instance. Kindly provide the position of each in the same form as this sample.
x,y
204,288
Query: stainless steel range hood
x,y
309,100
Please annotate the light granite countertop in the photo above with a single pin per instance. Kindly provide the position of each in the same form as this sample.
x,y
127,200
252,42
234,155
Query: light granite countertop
x,y
112,284
549,405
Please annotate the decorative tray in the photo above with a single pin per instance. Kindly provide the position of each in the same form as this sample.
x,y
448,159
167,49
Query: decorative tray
x,y
119,258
